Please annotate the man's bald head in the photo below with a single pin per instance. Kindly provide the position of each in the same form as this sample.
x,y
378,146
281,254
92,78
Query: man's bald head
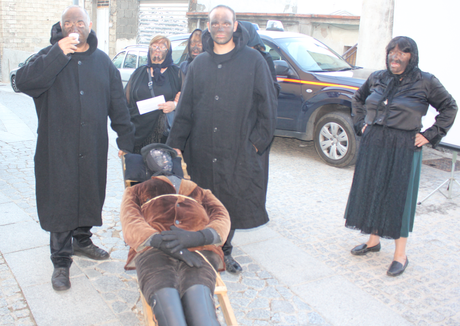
x,y
75,8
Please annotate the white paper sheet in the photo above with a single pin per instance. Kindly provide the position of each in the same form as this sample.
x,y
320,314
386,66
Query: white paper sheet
x,y
150,104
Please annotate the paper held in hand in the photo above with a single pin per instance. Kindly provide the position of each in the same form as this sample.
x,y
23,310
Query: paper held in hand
x,y
150,104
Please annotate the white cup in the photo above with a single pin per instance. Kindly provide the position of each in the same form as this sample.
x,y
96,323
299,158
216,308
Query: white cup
x,y
75,36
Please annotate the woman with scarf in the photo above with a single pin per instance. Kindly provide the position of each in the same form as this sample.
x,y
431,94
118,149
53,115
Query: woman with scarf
x,y
194,48
158,77
387,112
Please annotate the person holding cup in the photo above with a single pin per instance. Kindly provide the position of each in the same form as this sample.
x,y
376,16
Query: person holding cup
x,y
75,87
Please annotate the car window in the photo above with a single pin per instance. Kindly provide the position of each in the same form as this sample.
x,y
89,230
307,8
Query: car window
x,y
312,55
118,60
178,52
272,51
142,58
130,61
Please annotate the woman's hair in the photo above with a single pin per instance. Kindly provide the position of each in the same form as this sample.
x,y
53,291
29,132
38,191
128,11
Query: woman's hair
x,y
159,38
407,45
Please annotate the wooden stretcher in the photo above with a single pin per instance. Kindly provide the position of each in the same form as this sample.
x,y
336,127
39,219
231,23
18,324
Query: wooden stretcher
x,y
220,290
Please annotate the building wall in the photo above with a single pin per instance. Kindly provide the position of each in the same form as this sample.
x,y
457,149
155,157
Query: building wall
x,y
334,31
124,15
375,32
25,27
323,7
336,37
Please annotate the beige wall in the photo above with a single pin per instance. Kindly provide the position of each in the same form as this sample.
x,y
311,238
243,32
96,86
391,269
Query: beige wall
x,y
25,27
375,32
336,36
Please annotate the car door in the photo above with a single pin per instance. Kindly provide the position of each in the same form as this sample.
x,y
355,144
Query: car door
x,y
178,50
290,97
142,61
129,65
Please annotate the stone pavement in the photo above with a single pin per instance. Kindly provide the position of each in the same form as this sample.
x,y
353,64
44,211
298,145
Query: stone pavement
x,y
297,268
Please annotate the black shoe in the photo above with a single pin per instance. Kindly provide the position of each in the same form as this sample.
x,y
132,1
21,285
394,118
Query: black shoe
x,y
92,251
363,249
396,268
60,279
232,265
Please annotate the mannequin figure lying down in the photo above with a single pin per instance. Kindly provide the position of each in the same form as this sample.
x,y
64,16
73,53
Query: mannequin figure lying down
x,y
175,231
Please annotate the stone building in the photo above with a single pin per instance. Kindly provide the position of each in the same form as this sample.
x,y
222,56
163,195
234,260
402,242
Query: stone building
x,y
25,25
25,28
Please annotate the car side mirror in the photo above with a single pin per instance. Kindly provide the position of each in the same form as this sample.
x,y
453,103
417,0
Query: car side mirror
x,y
282,68
21,64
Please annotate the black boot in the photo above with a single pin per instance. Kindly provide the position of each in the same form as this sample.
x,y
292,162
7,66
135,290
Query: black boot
x,y
60,279
167,307
198,304
91,251
231,265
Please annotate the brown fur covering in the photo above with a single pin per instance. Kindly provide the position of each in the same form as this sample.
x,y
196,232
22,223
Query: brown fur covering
x,y
153,206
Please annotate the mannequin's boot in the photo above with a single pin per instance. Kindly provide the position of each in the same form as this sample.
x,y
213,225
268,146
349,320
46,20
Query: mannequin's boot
x,y
198,304
167,307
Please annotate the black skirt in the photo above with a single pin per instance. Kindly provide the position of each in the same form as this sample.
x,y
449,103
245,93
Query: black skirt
x,y
380,184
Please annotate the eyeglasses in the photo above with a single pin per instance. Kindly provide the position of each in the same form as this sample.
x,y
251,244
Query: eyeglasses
x,y
162,47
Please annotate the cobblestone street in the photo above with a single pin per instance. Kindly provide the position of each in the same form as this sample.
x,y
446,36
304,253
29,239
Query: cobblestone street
x,y
297,269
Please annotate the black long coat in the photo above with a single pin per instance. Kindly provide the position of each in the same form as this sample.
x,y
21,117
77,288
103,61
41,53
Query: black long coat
x,y
73,97
228,106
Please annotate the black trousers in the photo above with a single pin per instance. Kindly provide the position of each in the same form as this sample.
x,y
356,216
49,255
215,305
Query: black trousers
x,y
227,247
61,244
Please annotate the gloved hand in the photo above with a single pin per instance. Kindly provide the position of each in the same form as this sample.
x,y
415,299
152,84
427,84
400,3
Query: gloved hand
x,y
156,241
190,258
178,239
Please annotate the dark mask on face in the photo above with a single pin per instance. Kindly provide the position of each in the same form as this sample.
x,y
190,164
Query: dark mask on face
x,y
159,160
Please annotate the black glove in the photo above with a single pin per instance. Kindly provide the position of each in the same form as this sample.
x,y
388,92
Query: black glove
x,y
178,239
190,258
156,241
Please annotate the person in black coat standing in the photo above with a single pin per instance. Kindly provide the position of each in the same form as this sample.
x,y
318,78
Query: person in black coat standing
x,y
225,122
387,113
75,88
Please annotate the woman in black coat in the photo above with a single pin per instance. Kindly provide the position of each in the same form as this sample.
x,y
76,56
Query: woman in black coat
x,y
159,77
388,110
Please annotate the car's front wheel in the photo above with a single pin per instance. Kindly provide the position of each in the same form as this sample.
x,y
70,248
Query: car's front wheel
x,y
13,84
335,140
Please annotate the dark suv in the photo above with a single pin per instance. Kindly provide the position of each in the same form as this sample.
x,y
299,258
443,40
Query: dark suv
x,y
317,85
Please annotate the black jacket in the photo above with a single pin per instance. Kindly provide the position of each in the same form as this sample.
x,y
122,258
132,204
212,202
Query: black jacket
x,y
74,95
408,106
228,106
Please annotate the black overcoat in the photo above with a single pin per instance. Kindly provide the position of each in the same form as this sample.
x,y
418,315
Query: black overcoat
x,y
227,106
73,96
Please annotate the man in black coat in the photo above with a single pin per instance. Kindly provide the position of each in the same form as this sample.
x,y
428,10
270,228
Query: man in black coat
x,y
75,88
225,123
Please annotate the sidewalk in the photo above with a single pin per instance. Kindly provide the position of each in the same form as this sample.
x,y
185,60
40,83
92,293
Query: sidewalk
x,y
297,268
